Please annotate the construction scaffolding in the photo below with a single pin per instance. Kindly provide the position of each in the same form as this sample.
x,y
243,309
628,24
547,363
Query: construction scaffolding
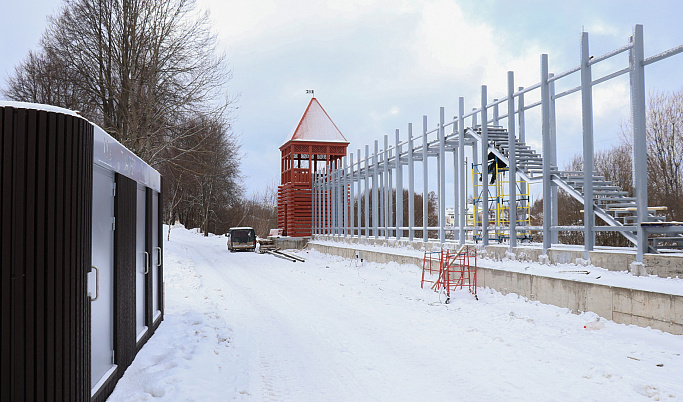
x,y
499,204
456,270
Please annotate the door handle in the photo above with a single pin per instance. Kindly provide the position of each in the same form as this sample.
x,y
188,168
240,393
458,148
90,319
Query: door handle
x,y
97,284
158,256
146,271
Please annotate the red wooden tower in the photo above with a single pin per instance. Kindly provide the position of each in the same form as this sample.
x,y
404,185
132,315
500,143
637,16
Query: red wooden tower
x,y
315,143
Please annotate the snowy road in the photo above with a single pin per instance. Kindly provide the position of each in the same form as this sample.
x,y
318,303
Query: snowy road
x,y
254,327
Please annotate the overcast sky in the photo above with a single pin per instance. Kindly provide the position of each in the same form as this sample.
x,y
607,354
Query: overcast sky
x,y
376,66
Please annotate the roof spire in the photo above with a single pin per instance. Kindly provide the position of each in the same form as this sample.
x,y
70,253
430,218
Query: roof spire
x,y
316,125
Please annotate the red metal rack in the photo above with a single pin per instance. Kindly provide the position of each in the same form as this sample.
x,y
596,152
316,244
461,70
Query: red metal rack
x,y
457,270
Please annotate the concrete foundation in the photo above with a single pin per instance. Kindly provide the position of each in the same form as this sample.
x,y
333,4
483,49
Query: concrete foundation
x,y
622,305
289,243
663,265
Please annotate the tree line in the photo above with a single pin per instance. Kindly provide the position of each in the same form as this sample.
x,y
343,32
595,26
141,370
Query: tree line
x,y
149,73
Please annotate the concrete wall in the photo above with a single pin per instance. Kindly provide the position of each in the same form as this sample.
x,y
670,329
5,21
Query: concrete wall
x,y
289,243
662,265
627,306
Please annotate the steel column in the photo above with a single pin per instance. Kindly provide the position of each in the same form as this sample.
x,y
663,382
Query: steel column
x,y
522,139
555,219
399,188
484,167
637,81
425,179
375,190
367,191
387,187
348,201
545,133
512,159
442,178
495,112
461,149
380,174
358,210
587,123
411,184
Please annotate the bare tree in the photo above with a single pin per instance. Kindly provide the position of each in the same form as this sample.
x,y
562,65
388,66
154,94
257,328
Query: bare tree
x,y
138,68
149,73
665,152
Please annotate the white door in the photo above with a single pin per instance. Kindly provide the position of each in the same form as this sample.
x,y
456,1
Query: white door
x,y
142,264
156,308
101,278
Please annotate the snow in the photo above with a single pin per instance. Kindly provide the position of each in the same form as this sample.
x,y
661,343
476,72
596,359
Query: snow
x,y
38,106
244,326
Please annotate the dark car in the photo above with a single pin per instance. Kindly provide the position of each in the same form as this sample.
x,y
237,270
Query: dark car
x,y
242,238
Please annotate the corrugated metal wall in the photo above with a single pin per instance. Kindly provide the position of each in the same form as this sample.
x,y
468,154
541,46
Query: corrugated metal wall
x,y
45,194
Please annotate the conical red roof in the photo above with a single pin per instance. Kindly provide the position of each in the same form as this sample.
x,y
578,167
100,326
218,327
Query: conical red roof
x,y
316,125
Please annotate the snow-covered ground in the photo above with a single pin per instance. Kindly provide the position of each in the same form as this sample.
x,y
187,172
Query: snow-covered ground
x,y
254,327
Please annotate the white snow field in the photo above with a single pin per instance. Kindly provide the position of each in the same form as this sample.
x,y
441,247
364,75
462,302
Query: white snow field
x,y
244,326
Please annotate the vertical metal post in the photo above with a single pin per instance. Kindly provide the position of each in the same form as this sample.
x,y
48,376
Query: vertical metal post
x,y
375,190
484,167
313,205
512,158
442,178
425,179
555,219
637,81
390,196
520,116
380,205
341,193
456,198
349,221
367,191
495,112
335,200
545,133
324,200
399,188
358,211
411,184
329,215
456,186
387,187
587,123
463,191
522,139
332,204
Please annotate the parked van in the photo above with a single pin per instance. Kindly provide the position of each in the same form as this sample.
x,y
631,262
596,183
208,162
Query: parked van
x,y
242,238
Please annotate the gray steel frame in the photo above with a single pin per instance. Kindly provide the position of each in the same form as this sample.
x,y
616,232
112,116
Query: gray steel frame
x,y
335,215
